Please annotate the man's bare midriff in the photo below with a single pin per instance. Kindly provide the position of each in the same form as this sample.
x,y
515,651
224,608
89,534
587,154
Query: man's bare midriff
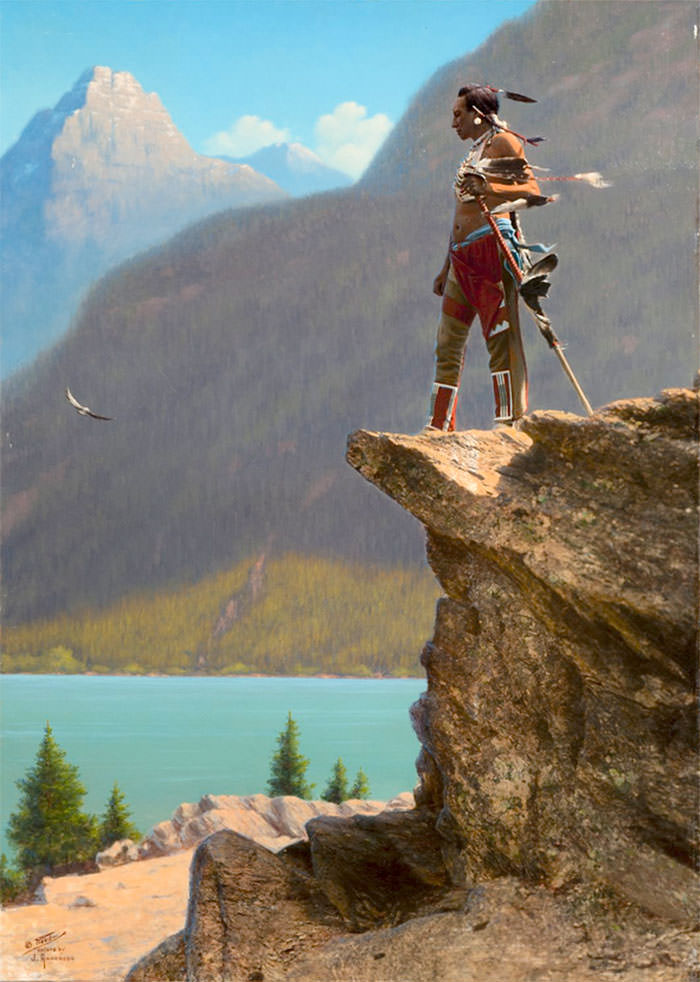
x,y
467,218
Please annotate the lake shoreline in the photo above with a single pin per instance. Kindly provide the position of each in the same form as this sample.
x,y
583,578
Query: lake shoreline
x,y
170,739
200,675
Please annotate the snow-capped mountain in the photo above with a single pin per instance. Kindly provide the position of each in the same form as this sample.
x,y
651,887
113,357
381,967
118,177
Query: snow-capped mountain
x,y
295,168
102,175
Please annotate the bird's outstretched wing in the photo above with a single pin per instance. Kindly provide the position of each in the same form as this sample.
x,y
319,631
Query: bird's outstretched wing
x,y
73,401
83,410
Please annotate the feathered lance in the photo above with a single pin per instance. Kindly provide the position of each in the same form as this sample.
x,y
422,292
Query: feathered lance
x,y
533,286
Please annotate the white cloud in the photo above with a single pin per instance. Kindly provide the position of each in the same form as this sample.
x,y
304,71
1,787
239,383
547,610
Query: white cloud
x,y
348,138
246,135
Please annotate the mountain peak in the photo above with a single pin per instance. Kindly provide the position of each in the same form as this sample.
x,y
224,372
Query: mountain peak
x,y
100,81
107,130
96,81
107,171
295,168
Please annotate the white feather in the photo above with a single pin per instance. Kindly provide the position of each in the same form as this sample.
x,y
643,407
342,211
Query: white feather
x,y
594,178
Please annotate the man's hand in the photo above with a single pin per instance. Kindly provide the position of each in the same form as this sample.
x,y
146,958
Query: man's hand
x,y
440,281
475,184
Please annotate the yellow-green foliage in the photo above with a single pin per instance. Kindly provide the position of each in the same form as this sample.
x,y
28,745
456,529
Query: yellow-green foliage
x,y
313,616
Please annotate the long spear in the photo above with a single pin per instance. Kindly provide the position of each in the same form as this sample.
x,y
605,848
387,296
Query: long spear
x,y
532,286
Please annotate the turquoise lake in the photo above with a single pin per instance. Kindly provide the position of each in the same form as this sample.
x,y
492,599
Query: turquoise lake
x,y
169,740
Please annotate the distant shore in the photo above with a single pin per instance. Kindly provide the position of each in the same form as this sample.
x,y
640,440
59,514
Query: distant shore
x,y
203,675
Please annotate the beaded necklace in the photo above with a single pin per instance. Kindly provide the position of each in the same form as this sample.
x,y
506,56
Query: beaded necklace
x,y
470,162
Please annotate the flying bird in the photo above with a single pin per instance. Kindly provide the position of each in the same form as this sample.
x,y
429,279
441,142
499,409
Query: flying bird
x,y
82,410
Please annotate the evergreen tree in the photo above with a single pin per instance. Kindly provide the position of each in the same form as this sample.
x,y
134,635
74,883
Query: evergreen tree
x,y
337,789
49,827
12,882
288,767
360,788
116,822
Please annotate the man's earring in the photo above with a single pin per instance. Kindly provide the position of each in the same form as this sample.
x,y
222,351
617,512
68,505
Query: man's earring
x,y
477,120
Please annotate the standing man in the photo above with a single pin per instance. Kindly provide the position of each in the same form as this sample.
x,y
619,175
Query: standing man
x,y
474,278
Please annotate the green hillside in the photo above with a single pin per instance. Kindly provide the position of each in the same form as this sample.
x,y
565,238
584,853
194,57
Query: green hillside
x,y
236,359
307,616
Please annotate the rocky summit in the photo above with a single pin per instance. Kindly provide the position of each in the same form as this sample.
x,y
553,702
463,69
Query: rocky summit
x,y
555,826
108,160
101,176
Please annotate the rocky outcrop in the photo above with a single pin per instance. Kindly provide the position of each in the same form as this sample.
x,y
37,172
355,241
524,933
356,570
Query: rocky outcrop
x,y
253,914
505,931
120,852
555,823
271,822
558,729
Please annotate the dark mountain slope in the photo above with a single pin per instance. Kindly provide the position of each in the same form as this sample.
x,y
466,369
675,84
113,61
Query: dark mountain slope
x,y
615,83
236,359
232,399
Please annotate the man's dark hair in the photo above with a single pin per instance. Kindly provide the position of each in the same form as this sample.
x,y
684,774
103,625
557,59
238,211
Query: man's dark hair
x,y
480,97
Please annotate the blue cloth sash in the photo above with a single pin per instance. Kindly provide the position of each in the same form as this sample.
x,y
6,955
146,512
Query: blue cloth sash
x,y
516,245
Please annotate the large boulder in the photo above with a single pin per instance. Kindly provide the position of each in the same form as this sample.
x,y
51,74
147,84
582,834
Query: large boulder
x,y
250,915
379,870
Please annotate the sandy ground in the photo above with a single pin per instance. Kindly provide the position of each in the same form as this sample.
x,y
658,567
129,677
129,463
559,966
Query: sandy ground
x,y
94,928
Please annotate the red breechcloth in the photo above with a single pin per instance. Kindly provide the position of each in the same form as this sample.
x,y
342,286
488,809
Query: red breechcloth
x,y
479,273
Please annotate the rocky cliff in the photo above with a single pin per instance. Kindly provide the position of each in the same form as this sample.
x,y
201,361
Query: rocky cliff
x,y
554,834
558,729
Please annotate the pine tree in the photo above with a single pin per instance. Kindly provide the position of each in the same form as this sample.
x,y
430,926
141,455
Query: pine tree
x,y
116,823
12,882
337,789
360,788
49,827
288,767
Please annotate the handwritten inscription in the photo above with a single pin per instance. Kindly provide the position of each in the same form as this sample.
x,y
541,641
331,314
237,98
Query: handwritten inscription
x,y
45,948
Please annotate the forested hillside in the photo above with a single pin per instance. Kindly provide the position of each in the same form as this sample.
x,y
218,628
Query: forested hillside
x,y
236,359
292,616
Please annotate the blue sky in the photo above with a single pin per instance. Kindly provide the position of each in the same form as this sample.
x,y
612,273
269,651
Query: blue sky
x,y
334,75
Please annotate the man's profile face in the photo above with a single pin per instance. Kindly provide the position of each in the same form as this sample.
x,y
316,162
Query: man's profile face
x,y
462,121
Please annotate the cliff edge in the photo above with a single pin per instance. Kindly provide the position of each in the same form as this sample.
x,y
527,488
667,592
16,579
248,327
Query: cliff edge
x,y
559,728
555,828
